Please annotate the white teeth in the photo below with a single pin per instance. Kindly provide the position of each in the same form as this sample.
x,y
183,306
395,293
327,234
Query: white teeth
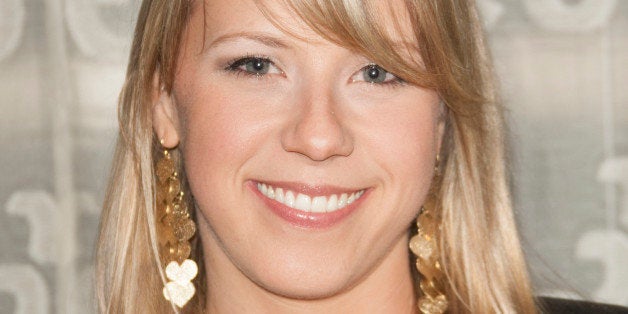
x,y
270,193
319,204
303,202
351,198
289,199
342,202
332,204
279,195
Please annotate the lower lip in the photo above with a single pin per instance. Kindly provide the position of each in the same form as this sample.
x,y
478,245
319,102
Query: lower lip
x,y
308,220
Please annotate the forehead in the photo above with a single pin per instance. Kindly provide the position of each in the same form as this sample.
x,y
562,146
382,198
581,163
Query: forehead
x,y
222,17
308,20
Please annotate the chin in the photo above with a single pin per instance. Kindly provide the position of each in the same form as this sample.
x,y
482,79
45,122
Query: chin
x,y
312,287
311,281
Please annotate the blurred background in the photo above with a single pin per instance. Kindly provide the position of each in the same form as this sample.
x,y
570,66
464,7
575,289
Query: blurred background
x,y
563,66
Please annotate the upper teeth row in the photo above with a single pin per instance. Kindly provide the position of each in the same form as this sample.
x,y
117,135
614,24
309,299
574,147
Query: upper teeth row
x,y
316,204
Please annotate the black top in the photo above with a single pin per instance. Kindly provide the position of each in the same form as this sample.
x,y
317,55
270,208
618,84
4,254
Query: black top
x,y
562,306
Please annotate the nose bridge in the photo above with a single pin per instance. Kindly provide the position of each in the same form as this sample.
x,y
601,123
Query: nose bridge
x,y
318,130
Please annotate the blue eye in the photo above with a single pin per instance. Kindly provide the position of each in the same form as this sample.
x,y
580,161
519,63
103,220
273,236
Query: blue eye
x,y
257,66
375,74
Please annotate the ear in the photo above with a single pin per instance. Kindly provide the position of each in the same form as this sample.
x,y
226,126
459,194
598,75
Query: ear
x,y
165,116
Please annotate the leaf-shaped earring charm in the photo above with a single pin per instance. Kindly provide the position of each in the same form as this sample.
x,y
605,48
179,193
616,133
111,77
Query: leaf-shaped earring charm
x,y
180,290
425,247
175,229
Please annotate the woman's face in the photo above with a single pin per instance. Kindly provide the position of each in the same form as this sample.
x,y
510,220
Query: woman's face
x,y
350,148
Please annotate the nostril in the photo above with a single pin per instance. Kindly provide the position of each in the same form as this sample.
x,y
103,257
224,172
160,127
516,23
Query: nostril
x,y
318,135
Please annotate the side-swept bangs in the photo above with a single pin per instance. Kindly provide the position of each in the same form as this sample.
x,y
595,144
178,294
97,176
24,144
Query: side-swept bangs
x,y
421,42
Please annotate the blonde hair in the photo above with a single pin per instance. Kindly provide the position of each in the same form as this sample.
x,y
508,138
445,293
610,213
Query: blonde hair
x,y
482,258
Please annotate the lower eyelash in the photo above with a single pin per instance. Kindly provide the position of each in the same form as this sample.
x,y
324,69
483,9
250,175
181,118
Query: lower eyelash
x,y
397,81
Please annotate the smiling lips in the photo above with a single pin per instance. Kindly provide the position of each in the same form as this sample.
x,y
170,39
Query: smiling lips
x,y
307,203
311,207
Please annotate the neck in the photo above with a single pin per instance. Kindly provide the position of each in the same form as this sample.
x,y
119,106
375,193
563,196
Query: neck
x,y
388,288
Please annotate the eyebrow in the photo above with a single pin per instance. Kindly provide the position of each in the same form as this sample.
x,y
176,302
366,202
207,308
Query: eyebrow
x,y
262,38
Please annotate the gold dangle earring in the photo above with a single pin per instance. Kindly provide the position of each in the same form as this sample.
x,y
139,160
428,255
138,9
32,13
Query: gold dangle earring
x,y
174,229
425,246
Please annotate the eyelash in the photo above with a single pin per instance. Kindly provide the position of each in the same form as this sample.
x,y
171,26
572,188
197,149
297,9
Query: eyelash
x,y
395,82
234,64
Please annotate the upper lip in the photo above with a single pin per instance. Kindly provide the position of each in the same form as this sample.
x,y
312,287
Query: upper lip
x,y
307,189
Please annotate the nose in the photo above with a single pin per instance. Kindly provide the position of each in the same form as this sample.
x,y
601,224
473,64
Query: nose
x,y
318,131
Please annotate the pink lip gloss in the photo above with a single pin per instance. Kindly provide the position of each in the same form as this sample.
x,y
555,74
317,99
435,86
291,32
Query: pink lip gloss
x,y
304,219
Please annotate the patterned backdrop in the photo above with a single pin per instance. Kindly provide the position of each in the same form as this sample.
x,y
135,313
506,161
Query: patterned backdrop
x,y
563,66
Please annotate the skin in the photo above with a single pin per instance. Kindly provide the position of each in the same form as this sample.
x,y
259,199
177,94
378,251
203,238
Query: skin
x,y
311,119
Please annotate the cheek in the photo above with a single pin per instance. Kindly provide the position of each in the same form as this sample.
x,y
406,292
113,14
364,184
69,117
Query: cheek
x,y
219,137
404,138
403,142
215,140
224,129
219,131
